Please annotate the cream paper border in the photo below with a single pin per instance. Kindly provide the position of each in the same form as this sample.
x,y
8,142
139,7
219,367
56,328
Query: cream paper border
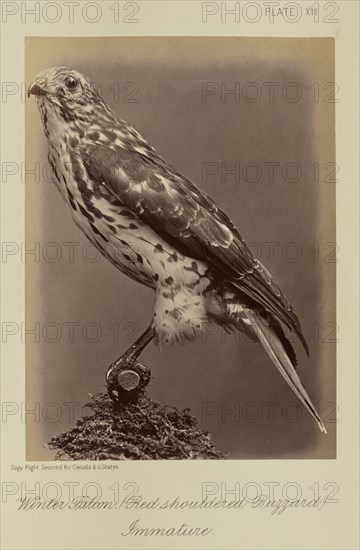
x,y
334,527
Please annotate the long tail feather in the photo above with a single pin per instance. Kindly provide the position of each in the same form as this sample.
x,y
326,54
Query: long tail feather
x,y
277,353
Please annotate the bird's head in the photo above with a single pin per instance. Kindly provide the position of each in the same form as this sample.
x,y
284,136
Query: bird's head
x,y
63,85
66,94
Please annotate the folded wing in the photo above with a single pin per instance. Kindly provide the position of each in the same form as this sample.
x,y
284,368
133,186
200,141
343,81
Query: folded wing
x,y
187,218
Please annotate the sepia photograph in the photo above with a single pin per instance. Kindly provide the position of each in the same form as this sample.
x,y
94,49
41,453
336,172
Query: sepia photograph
x,y
180,248
179,297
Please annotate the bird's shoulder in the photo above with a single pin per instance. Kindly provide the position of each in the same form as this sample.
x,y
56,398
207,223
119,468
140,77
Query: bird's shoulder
x,y
127,164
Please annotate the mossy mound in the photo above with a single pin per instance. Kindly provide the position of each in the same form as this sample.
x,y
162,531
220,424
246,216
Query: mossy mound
x,y
134,431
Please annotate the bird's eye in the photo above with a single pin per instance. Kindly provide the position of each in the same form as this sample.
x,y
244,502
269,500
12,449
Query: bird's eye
x,y
71,83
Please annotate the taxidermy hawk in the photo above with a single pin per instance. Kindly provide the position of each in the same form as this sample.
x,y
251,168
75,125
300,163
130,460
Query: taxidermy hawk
x,y
159,228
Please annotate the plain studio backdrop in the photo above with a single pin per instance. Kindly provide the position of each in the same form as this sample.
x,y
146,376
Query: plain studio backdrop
x,y
206,105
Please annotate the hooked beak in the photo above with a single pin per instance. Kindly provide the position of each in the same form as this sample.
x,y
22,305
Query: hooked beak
x,y
35,89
